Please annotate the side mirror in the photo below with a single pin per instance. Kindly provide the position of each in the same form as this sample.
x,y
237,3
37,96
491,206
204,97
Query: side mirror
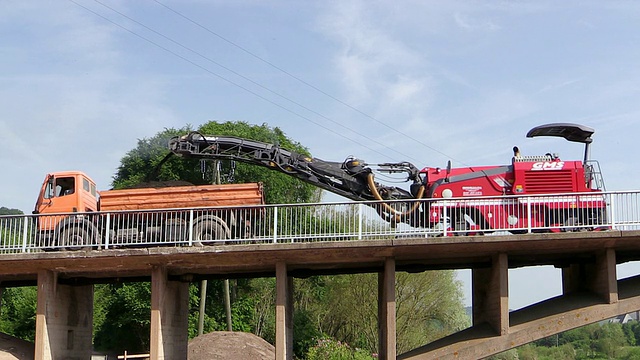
x,y
448,171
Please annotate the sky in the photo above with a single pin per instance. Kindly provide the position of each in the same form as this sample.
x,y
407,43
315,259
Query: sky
x,y
420,81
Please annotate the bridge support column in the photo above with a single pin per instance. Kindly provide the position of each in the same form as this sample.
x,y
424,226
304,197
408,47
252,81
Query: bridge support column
x,y
387,311
284,313
598,277
169,317
491,294
64,319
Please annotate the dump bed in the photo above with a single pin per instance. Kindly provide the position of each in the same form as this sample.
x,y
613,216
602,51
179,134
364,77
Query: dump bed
x,y
182,197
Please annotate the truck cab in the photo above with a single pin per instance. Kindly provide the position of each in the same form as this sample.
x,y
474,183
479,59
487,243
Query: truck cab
x,y
66,192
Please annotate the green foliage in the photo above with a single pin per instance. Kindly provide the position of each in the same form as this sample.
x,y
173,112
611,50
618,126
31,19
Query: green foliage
x,y
7,211
594,341
329,349
629,332
428,306
11,227
305,331
125,315
632,353
146,163
506,355
19,312
209,323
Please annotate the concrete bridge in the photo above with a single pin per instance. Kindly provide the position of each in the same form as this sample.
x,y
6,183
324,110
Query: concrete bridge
x,y
588,261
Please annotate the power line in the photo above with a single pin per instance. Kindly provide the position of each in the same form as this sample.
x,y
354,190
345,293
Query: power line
x,y
225,79
302,81
259,85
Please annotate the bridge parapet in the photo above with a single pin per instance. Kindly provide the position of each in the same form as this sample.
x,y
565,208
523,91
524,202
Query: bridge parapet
x,y
349,221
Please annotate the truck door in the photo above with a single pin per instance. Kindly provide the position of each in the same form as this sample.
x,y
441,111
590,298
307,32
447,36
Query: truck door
x,y
58,195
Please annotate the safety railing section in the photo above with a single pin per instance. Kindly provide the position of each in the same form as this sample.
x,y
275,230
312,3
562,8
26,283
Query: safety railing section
x,y
349,221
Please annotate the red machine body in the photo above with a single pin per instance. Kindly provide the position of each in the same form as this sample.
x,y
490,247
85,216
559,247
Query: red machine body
x,y
575,185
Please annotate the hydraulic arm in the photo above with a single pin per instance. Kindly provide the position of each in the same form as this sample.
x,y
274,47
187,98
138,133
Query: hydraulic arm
x,y
351,178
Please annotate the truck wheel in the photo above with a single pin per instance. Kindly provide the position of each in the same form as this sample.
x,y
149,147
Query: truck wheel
x,y
74,238
209,230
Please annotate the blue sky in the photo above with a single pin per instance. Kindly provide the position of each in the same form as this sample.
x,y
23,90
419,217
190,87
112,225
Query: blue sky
x,y
422,81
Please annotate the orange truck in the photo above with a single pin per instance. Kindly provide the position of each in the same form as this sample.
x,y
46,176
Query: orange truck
x,y
73,214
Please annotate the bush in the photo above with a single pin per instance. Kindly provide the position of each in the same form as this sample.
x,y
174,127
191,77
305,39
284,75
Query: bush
x,y
329,349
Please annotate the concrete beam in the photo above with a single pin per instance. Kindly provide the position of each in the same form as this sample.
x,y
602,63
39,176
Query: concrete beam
x,y
169,317
598,277
531,323
64,319
284,313
387,311
490,294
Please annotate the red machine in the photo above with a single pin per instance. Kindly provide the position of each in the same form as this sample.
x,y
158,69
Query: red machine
x,y
466,199
526,175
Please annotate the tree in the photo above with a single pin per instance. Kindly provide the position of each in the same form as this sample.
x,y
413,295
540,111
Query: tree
x,y
19,312
428,306
7,211
124,317
147,163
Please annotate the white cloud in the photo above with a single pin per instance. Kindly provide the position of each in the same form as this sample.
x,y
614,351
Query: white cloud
x,y
469,23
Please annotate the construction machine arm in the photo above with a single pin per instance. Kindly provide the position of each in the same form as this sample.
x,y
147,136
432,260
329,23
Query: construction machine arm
x,y
351,178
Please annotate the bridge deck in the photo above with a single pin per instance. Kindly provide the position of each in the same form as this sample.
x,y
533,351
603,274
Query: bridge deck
x,y
303,259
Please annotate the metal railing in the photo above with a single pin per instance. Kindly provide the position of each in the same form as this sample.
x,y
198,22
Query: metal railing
x,y
348,221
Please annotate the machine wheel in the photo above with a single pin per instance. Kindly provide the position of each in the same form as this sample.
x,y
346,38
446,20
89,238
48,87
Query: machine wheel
x,y
74,238
569,222
463,222
209,229
460,225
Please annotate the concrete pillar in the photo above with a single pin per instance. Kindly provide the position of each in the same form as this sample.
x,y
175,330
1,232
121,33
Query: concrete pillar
x,y
284,313
64,319
491,294
169,317
598,277
387,311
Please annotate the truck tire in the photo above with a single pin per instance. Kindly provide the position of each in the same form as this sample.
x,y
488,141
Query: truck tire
x,y
74,238
210,229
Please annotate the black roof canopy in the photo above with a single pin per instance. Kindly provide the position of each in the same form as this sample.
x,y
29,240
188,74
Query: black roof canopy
x,y
571,132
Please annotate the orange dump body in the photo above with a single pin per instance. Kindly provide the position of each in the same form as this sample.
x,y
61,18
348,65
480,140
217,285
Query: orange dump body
x,y
182,197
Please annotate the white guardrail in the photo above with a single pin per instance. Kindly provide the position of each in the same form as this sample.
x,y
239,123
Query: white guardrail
x,y
349,221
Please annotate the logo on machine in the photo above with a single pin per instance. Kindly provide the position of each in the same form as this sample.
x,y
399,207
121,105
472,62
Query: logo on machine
x,y
548,165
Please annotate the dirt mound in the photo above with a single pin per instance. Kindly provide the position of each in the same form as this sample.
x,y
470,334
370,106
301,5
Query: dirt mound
x,y
221,345
225,345
12,348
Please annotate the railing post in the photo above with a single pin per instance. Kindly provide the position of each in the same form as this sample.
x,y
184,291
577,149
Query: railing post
x,y
360,221
529,219
612,208
444,218
275,224
24,233
107,231
191,227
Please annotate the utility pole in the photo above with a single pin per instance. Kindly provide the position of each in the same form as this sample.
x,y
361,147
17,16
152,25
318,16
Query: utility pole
x,y
203,297
227,298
